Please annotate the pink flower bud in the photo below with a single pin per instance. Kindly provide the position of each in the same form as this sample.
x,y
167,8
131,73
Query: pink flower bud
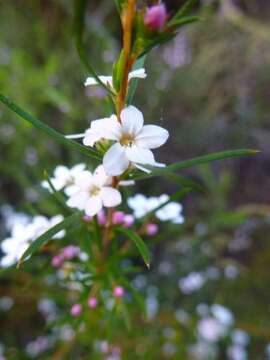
x,y
101,218
151,229
155,17
92,302
128,220
118,217
57,261
118,291
69,252
76,309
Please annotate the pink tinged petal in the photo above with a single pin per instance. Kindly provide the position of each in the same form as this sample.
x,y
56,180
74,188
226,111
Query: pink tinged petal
x,y
132,120
110,197
93,205
78,200
115,161
100,177
151,137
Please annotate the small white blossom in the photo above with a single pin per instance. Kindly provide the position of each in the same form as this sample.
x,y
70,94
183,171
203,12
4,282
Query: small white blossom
x,y
92,192
63,177
108,80
23,234
192,282
132,140
211,330
141,205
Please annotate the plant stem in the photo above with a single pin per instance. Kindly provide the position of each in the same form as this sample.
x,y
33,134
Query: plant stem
x,y
127,25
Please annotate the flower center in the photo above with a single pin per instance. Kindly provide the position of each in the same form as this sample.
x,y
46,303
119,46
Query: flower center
x,y
127,140
94,191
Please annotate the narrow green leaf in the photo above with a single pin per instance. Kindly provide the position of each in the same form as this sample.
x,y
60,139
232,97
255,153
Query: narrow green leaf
x,y
196,161
138,242
47,129
134,83
185,9
68,222
183,21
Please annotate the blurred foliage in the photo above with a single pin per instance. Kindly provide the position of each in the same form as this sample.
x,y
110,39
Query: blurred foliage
x,y
211,88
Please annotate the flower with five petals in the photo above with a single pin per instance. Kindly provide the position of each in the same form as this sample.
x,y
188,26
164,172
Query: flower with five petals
x,y
93,192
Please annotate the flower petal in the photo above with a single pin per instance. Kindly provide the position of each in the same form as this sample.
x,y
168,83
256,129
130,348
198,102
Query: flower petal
x,y
100,177
84,179
78,200
93,205
140,155
151,137
110,197
139,74
115,161
132,120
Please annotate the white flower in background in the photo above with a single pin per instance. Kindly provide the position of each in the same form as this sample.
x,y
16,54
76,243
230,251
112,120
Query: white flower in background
x,y
23,234
211,330
11,217
141,205
240,337
108,80
92,192
133,140
171,212
63,177
222,314
192,282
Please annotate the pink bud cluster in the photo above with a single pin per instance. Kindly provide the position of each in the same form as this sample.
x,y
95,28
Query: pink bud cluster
x,y
118,218
155,17
67,253
92,302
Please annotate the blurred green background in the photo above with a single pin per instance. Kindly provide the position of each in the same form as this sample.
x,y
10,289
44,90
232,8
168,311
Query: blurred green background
x,y
211,88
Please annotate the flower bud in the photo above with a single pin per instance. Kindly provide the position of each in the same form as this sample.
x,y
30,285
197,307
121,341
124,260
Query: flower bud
x,y
92,302
155,17
101,218
151,229
128,220
118,217
118,291
76,309
57,261
69,252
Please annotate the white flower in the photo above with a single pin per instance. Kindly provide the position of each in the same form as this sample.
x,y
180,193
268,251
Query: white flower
x,y
192,282
171,212
133,141
23,234
63,177
93,192
108,80
141,205
222,314
211,330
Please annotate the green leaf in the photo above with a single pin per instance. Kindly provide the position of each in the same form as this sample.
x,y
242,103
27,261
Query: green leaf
x,y
79,14
138,242
196,161
119,5
185,9
183,21
47,129
68,222
134,83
